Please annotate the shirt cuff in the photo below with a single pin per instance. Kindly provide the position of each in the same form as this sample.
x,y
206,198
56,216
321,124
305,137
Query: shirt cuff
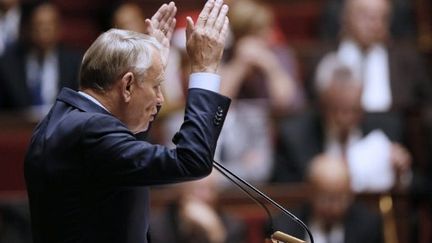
x,y
207,81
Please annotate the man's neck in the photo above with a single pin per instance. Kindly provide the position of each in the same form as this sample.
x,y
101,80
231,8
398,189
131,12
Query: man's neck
x,y
102,98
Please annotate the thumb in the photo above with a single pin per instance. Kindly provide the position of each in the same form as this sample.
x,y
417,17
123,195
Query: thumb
x,y
148,26
189,26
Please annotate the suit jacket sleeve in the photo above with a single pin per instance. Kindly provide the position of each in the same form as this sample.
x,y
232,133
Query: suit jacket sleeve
x,y
113,155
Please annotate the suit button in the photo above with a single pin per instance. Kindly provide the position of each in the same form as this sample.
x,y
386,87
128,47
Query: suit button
x,y
219,109
216,121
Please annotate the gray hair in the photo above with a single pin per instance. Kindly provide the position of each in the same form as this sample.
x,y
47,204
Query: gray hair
x,y
114,53
331,69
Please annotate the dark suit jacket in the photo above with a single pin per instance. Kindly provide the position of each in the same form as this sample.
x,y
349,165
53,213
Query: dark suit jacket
x,y
360,225
302,137
13,75
87,174
410,82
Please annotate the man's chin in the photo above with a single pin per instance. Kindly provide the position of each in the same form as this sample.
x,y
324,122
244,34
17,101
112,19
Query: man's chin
x,y
145,128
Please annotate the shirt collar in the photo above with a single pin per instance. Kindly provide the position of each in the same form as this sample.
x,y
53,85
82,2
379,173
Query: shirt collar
x,y
92,99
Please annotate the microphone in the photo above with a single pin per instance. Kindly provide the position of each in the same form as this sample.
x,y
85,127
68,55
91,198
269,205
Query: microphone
x,y
279,236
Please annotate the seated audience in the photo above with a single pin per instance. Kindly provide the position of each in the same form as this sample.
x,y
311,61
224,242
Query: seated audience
x,y
376,163
393,75
195,217
331,213
260,74
35,69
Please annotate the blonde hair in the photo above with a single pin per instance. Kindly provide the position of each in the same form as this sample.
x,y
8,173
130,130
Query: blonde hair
x,y
114,53
248,17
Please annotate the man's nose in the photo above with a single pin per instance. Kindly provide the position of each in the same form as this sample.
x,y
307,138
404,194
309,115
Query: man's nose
x,y
160,98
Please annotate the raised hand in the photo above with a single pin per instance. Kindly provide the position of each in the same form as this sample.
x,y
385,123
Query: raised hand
x,y
161,26
205,40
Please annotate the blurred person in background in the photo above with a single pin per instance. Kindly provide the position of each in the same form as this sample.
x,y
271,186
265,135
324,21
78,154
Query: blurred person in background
x,y
260,74
402,20
38,66
195,216
393,74
259,63
10,18
129,16
394,78
331,213
376,161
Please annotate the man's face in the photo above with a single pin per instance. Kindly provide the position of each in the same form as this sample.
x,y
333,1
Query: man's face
x,y
368,21
342,108
146,96
45,27
331,199
129,17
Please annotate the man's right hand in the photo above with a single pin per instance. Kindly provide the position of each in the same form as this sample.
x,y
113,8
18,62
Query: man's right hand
x,y
205,40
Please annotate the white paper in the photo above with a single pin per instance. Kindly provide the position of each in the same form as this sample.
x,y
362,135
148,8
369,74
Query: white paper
x,y
370,165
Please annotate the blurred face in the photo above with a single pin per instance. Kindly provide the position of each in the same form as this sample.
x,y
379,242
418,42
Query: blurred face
x,y
45,28
146,96
129,17
367,21
342,108
331,199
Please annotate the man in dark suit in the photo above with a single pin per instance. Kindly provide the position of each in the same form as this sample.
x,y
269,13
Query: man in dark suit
x,y
394,75
331,214
87,175
336,128
34,69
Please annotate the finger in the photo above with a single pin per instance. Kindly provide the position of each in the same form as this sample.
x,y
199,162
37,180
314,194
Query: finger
x,y
214,13
169,14
189,26
170,18
163,19
148,26
221,18
157,17
205,13
224,31
171,29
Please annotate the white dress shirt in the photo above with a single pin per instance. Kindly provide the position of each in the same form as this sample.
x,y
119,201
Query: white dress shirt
x,y
372,68
334,235
46,72
9,27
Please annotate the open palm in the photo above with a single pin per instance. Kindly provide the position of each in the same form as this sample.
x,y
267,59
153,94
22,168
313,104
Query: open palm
x,y
161,26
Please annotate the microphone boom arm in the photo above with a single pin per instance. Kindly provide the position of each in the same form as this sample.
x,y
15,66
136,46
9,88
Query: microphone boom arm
x,y
218,166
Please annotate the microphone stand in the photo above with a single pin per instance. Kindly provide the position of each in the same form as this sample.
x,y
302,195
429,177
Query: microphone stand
x,y
279,236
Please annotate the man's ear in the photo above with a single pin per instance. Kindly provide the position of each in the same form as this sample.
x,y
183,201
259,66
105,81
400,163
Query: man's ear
x,y
127,86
